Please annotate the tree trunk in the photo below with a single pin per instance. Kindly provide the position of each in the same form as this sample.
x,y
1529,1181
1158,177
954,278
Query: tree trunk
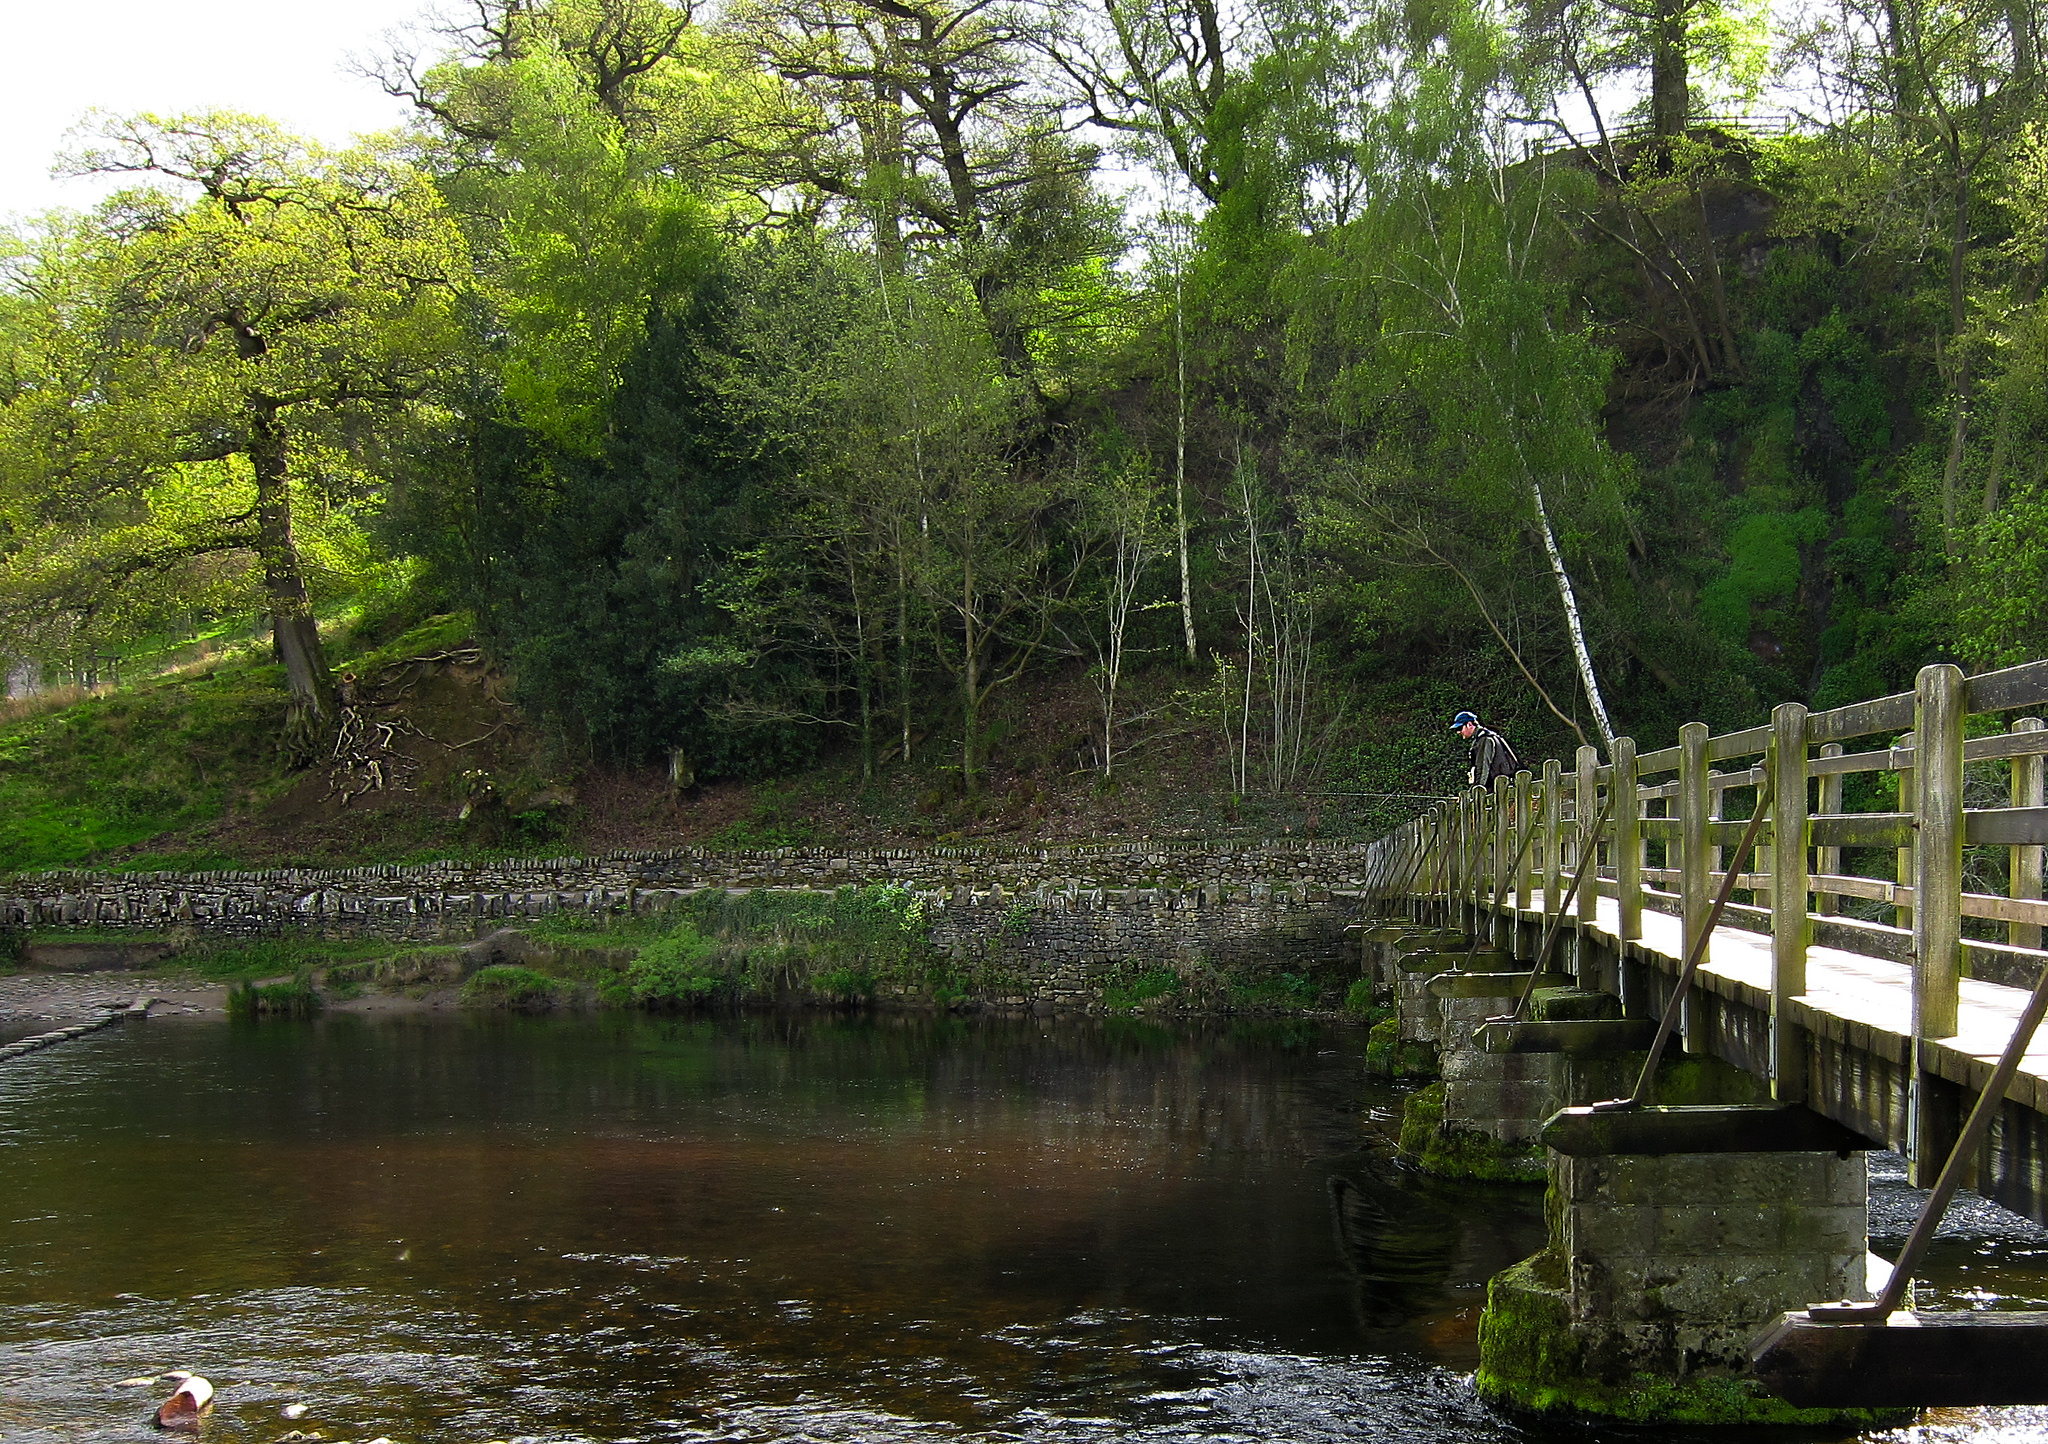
x,y
864,672
2020,22
1180,460
903,648
970,691
1670,73
295,636
1580,652
1961,379
1718,287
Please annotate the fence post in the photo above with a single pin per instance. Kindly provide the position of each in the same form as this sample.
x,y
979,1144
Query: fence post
x,y
1553,832
1588,777
1938,861
1828,860
1452,844
2027,791
1524,819
1791,830
1696,806
1471,857
1440,869
1628,841
1589,808
1909,803
1503,859
1935,1112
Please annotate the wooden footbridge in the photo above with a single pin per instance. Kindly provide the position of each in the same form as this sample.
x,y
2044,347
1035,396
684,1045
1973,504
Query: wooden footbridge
x,y
1860,891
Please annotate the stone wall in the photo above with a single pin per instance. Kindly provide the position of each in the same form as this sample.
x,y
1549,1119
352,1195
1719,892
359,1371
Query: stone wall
x,y
1054,924
1067,948
444,898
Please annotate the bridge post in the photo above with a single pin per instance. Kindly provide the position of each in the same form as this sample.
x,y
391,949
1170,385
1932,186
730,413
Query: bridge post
x,y
1527,819
1468,830
1829,859
1433,867
1505,821
1628,840
1447,863
1909,802
1936,1105
1695,862
1481,863
1790,878
1587,775
2027,791
1553,833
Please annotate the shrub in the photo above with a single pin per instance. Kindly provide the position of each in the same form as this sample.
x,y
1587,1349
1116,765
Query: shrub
x,y
1285,990
676,971
295,999
846,985
507,985
1124,993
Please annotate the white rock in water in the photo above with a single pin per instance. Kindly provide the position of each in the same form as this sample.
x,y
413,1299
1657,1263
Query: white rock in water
x,y
295,1411
140,1382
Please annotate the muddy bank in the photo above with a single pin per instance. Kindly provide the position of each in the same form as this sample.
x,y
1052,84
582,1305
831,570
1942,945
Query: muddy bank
x,y
35,1002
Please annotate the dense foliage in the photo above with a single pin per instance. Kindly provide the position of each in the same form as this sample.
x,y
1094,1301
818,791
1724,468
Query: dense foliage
x,y
808,377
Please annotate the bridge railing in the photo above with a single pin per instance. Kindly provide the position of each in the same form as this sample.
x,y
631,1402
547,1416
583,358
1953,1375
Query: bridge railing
x,y
1675,810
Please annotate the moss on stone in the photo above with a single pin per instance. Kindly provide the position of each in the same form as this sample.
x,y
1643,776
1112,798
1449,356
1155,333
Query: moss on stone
x,y
1685,1079
1530,1360
1459,1152
1387,1053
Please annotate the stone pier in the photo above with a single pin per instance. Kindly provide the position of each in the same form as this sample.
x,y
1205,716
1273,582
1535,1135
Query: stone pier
x,y
1660,1270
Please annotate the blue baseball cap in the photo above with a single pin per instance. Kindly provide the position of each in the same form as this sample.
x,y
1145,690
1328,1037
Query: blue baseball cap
x,y
1462,718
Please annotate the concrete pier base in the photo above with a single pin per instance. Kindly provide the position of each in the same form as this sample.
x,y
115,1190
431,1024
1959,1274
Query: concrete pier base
x,y
1482,1120
1659,1271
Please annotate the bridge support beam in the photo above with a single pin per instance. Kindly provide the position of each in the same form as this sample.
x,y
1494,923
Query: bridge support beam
x,y
1658,1272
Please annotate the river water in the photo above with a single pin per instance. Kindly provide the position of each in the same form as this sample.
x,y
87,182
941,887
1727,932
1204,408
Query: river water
x,y
430,1228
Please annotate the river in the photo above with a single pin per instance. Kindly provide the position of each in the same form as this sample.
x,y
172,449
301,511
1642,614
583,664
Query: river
x,y
431,1228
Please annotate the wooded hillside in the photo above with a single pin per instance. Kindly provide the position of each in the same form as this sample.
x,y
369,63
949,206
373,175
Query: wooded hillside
x,y
846,379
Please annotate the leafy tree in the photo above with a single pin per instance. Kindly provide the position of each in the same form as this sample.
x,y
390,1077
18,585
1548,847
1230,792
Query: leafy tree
x,y
207,359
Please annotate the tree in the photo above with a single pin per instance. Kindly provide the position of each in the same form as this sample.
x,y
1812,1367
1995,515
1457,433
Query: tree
x,y
228,346
930,131
1123,518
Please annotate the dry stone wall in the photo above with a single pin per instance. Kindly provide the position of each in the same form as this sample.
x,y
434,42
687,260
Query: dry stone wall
x,y
1061,922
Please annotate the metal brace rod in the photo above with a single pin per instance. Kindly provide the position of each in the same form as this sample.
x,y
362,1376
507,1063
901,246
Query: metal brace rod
x,y
1765,805
1589,853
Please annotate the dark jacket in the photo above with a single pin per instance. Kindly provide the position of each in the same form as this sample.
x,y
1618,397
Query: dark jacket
x,y
1492,757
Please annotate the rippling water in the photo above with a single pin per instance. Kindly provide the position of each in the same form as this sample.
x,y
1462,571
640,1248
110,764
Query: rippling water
x,y
464,1229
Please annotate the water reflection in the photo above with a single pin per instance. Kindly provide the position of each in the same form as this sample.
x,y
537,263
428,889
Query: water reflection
x,y
452,1229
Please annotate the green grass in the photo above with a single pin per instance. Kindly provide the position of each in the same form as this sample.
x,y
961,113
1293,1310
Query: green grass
x,y
173,753
294,999
1127,991
120,769
507,985
1283,990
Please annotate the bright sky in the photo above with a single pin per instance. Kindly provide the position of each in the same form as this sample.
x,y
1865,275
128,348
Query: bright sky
x,y
283,58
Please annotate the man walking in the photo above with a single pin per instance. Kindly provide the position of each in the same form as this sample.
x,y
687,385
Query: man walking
x,y
1491,755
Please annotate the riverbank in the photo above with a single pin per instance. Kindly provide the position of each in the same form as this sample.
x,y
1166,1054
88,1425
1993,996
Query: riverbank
x,y
637,933
34,1002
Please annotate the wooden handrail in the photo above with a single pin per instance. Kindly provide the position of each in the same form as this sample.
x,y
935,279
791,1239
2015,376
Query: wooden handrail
x,y
1807,868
